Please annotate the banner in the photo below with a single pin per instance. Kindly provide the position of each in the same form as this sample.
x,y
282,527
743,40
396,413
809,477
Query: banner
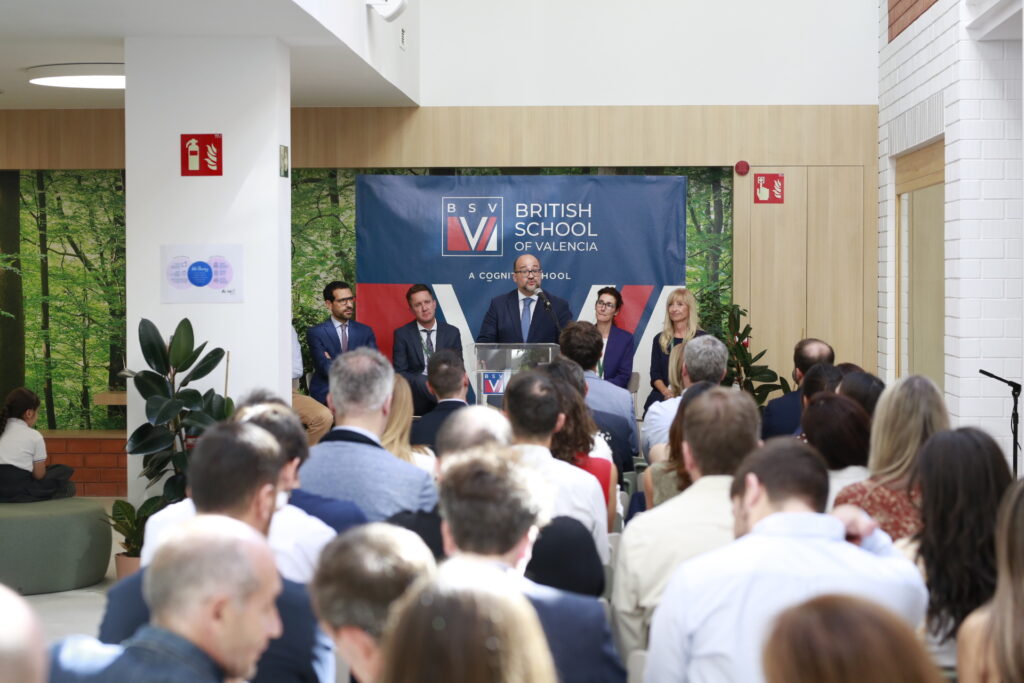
x,y
462,234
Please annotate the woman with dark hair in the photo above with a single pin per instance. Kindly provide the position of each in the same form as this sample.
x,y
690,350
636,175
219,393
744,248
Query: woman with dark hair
x,y
682,323
24,476
864,388
820,378
616,364
962,475
841,431
663,480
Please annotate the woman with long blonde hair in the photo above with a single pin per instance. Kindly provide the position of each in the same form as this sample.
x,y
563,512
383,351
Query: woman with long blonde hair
x,y
395,438
682,323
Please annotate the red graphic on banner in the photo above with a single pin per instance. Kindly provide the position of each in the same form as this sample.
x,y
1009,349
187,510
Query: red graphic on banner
x,y
202,154
769,188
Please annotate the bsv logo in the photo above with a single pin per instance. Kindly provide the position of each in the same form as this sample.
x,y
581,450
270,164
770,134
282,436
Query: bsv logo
x,y
494,383
471,226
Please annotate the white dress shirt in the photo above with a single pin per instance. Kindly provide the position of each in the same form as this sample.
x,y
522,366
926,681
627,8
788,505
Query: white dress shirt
x,y
719,607
577,493
296,356
655,543
658,421
20,445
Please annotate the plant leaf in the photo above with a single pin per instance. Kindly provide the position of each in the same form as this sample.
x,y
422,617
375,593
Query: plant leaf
x,y
191,359
150,507
182,343
160,410
192,399
149,439
174,488
198,419
155,468
154,350
149,383
205,366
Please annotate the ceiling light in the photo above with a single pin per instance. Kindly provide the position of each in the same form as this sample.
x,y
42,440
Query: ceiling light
x,y
100,76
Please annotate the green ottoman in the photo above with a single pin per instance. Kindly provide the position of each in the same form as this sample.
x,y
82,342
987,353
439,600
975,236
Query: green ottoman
x,y
53,545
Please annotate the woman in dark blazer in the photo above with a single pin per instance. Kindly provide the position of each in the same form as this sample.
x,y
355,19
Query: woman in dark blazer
x,y
616,364
682,323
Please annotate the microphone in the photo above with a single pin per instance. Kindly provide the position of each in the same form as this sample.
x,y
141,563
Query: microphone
x,y
547,306
1013,385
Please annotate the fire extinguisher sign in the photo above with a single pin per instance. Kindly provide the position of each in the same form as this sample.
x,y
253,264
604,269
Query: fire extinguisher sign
x,y
202,154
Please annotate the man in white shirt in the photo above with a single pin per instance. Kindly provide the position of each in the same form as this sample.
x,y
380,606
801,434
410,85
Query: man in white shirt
x,y
532,407
721,427
704,360
719,607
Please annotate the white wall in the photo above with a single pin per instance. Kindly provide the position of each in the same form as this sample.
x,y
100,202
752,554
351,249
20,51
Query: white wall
x,y
663,52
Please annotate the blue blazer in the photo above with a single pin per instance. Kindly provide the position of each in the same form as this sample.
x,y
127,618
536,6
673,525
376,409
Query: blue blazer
x,y
424,430
618,357
501,323
323,338
781,416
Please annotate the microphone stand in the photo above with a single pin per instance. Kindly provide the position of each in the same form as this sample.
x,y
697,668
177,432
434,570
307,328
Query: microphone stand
x,y
547,306
1015,393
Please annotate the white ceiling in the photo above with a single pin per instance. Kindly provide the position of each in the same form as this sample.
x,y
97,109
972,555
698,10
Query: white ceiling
x,y
325,72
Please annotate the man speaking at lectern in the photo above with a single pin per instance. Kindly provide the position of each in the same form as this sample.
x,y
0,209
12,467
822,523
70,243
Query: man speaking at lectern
x,y
527,314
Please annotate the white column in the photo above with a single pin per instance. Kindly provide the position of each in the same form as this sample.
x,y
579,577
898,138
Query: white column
x,y
238,87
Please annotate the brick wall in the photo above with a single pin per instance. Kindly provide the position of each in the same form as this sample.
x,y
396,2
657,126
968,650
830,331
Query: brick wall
x,y
98,457
903,13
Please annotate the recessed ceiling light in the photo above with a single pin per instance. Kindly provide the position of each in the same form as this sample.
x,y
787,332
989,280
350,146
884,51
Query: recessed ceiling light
x,y
99,76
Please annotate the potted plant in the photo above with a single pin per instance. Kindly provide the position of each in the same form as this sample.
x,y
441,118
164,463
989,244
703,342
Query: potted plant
x,y
742,369
131,524
175,414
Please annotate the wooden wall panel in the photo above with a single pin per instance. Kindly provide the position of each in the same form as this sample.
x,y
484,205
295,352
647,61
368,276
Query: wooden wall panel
x,y
61,138
921,168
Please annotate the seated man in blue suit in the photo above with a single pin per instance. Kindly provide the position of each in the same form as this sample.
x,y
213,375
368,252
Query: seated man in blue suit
x,y
335,336
782,415
490,508
448,381
526,315
417,340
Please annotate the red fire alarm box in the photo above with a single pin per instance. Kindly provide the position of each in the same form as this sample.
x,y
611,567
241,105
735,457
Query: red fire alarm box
x,y
769,188
202,154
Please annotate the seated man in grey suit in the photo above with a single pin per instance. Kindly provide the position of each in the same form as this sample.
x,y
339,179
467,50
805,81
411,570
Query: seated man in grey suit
x,y
349,463
417,340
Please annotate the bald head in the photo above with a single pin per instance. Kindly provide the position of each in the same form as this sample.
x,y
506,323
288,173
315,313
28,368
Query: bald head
x,y
22,653
472,427
811,351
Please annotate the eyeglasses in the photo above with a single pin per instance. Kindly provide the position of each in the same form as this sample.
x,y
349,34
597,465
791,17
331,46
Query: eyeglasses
x,y
606,304
346,300
536,271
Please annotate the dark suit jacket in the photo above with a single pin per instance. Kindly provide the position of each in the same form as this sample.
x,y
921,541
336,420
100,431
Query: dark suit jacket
x,y
424,430
324,338
408,359
303,653
781,416
340,515
618,357
501,322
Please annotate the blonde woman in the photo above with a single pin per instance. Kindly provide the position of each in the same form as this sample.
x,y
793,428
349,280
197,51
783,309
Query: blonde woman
x,y
682,323
908,412
395,438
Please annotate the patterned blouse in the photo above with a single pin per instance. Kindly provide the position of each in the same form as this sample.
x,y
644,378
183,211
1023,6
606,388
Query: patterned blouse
x,y
895,510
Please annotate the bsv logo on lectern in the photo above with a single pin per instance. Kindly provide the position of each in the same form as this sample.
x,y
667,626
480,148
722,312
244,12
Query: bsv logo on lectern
x,y
471,226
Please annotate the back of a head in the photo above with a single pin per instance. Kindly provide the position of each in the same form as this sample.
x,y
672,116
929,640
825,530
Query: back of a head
x,y
820,378
721,426
532,404
231,462
469,624
839,429
789,470
16,403
909,412
864,388
489,501
361,381
363,571
445,372
472,427
1007,625
206,556
810,351
22,649
581,342
843,639
282,423
705,358
577,433
568,371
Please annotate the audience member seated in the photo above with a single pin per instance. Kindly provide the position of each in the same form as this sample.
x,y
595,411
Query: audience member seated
x,y
212,589
467,625
664,479
24,474
682,323
718,607
492,508
781,416
22,646
963,476
361,573
447,380
848,367
235,470
349,463
841,431
822,378
909,412
533,409
842,639
315,416
988,643
720,427
395,438
616,364
864,388
704,360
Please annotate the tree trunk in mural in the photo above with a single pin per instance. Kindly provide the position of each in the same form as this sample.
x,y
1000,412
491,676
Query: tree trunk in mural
x,y
12,302
335,199
716,226
116,302
44,285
